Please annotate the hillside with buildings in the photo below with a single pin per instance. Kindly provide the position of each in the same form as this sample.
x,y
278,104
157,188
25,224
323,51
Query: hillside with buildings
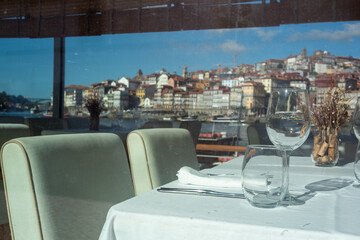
x,y
223,90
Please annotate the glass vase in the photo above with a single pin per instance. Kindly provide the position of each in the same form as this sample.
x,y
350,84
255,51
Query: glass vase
x,y
326,148
94,122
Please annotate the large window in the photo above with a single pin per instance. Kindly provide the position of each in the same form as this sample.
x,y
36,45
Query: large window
x,y
26,74
204,75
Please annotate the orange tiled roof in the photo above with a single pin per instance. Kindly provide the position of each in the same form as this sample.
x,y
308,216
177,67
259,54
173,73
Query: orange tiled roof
x,y
76,86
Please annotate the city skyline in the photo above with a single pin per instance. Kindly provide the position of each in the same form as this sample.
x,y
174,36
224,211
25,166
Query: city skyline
x,y
26,64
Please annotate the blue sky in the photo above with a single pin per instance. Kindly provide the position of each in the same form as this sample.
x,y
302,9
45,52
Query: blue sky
x,y
26,65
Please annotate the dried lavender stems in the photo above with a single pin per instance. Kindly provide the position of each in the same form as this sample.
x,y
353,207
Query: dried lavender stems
x,y
95,106
328,118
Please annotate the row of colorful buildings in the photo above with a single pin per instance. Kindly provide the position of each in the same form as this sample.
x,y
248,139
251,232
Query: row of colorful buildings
x,y
246,86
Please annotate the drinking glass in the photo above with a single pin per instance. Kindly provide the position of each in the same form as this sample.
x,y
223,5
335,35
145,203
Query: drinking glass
x,y
264,175
356,128
288,120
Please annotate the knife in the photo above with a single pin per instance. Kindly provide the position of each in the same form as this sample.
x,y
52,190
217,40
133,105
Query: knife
x,y
201,192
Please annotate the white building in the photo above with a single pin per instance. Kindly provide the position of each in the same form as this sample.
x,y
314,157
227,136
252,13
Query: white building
x,y
230,82
321,68
148,103
118,98
124,81
163,79
290,63
235,97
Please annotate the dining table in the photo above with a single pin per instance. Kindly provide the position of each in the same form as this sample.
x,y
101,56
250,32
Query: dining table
x,y
328,208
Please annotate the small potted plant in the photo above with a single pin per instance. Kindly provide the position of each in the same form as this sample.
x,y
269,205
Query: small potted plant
x,y
327,119
95,106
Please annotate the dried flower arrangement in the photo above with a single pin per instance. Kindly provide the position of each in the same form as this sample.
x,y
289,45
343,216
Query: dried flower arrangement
x,y
328,118
95,106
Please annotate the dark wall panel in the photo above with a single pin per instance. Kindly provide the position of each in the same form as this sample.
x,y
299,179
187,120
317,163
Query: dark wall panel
x,y
61,18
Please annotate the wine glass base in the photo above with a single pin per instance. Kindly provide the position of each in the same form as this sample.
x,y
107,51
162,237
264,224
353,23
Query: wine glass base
x,y
291,201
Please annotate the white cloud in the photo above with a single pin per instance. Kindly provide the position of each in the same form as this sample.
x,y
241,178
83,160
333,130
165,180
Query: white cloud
x,y
266,36
232,46
346,34
220,31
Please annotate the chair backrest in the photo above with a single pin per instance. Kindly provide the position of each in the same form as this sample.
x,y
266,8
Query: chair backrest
x,y
257,134
9,131
157,154
194,128
12,119
62,186
3,212
157,124
253,135
12,130
36,125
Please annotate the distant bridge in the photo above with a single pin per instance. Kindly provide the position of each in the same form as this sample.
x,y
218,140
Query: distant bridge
x,y
39,100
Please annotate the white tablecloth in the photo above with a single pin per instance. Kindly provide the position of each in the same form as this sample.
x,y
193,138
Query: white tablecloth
x,y
331,210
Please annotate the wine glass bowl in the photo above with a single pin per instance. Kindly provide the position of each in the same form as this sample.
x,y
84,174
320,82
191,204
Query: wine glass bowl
x,y
264,172
288,118
356,128
356,119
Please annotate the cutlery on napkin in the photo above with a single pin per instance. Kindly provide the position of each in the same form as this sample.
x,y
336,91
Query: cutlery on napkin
x,y
201,192
188,175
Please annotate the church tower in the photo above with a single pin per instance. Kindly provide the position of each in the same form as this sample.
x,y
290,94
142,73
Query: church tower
x,y
303,53
139,73
184,72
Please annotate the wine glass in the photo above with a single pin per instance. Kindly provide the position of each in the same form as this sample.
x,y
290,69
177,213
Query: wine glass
x,y
288,122
356,128
263,175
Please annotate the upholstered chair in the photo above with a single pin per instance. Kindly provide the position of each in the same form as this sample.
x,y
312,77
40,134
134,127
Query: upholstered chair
x,y
157,124
12,130
61,186
194,128
157,154
253,135
36,125
12,119
9,131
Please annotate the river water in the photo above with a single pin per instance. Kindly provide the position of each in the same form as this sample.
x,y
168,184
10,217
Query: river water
x,y
228,129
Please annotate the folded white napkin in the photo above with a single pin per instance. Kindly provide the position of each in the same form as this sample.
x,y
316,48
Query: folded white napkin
x,y
188,175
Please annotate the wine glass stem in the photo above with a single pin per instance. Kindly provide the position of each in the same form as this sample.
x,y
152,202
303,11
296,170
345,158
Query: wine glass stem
x,y
286,168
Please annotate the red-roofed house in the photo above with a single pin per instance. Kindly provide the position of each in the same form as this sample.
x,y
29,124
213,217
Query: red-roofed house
x,y
74,96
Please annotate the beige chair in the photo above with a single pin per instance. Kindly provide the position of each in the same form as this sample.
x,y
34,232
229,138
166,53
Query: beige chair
x,y
12,130
36,125
194,128
61,187
253,135
257,134
8,131
157,124
11,119
157,154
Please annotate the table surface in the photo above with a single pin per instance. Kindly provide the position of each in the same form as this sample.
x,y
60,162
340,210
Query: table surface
x,y
331,210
